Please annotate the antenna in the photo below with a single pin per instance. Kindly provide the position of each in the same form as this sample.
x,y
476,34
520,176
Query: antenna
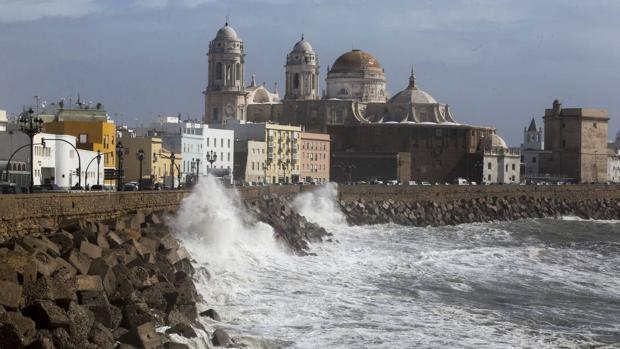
x,y
227,17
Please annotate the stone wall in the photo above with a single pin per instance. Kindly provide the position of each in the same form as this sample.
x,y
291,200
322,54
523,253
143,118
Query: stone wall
x,y
20,214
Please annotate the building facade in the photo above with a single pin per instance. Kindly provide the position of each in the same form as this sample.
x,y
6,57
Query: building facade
x,y
283,143
577,141
256,161
501,165
92,129
532,149
157,165
315,157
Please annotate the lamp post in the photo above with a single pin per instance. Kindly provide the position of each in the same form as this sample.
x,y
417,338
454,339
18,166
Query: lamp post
x,y
98,158
119,169
140,157
211,157
31,126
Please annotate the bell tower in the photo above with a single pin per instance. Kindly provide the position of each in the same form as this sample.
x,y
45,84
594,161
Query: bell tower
x,y
302,72
225,92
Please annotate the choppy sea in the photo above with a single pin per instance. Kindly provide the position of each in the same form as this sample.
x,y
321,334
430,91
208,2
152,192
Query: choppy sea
x,y
540,283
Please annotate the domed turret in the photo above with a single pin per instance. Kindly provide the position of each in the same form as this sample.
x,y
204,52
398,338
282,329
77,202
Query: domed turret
x,y
302,72
357,75
226,68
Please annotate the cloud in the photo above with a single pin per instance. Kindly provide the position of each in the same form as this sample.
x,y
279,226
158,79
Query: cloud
x,y
27,10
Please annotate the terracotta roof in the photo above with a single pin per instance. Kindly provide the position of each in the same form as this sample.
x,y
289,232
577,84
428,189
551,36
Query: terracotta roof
x,y
355,60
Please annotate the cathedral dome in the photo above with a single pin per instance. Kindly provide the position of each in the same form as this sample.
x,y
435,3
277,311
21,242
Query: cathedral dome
x,y
226,33
302,46
493,141
412,94
354,61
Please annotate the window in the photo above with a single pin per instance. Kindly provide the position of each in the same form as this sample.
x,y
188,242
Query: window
x,y
238,71
489,178
534,160
564,143
228,156
513,167
218,71
229,143
489,165
594,125
214,142
222,142
216,115
296,81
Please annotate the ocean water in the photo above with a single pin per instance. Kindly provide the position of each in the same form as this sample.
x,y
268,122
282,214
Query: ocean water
x,y
540,283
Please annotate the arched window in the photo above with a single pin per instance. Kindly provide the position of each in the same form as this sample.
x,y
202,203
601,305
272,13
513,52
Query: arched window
x,y
313,82
296,81
238,71
344,92
218,71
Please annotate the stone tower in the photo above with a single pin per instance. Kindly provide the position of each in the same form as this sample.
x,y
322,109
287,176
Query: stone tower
x,y
225,93
302,72
533,137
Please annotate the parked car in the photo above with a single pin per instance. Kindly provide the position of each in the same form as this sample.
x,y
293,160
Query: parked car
x,y
47,188
461,181
9,188
412,183
376,181
392,182
425,183
130,186
96,187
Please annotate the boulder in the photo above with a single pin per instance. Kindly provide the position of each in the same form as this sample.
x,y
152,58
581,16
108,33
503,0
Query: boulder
x,y
22,265
54,288
211,313
16,330
174,345
220,338
101,268
46,264
184,330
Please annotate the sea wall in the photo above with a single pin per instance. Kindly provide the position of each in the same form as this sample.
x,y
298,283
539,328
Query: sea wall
x,y
364,204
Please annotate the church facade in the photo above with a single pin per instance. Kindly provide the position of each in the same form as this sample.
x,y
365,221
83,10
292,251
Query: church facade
x,y
355,108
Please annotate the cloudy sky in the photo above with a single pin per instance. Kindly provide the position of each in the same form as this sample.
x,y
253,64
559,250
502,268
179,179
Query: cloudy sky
x,y
496,62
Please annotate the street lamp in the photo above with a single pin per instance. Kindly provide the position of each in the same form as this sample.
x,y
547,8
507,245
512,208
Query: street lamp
x,y
140,157
211,157
30,125
119,169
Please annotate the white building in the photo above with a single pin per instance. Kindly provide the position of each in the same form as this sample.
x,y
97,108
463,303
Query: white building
x,y
531,149
500,164
3,120
197,143
613,162
57,162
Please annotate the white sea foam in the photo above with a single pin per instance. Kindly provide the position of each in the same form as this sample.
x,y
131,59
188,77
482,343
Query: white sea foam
x,y
497,285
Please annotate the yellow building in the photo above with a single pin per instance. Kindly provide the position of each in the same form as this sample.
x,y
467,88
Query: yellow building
x,y
92,129
283,144
156,165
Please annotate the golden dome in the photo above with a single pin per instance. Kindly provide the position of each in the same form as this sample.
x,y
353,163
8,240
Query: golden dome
x,y
354,61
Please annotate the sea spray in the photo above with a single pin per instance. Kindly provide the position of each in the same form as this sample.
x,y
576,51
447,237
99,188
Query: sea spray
x,y
320,206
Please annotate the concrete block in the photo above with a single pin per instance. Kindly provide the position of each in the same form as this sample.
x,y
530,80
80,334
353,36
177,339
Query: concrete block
x,y
114,239
21,264
102,241
101,268
46,264
47,315
64,240
89,283
91,250
10,294
80,261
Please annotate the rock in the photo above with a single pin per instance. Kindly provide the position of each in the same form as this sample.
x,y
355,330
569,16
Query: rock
x,y
220,338
211,313
101,268
64,268
46,264
10,294
16,330
154,298
40,343
80,261
144,336
135,315
89,283
55,288
24,266
62,340
64,240
91,250
137,220
153,218
98,303
46,314
174,345
184,330
82,321
101,336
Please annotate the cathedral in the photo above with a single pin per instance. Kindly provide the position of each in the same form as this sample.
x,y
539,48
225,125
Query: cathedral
x,y
412,135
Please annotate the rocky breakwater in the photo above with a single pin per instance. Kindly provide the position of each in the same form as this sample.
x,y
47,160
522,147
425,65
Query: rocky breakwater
x,y
98,285
483,209
289,226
